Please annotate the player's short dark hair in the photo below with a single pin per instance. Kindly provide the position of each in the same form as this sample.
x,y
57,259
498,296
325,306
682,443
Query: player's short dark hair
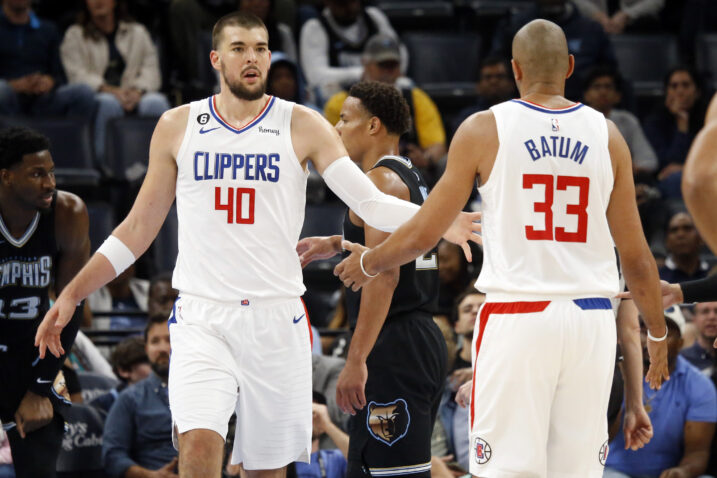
x,y
601,71
17,142
386,103
129,352
235,19
153,320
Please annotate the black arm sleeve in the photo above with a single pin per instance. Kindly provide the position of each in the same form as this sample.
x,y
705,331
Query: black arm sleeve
x,y
701,290
44,371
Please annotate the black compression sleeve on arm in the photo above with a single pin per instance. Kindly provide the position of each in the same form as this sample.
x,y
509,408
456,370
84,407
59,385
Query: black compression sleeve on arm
x,y
45,370
701,290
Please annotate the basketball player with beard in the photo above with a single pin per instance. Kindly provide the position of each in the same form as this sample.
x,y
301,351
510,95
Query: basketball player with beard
x,y
236,163
44,241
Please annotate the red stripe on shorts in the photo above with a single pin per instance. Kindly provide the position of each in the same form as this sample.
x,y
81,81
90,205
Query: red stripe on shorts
x,y
488,309
311,332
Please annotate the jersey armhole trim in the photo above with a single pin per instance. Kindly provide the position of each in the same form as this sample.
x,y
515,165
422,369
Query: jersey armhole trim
x,y
187,134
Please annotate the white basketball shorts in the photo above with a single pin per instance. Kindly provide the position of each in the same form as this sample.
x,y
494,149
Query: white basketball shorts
x,y
253,357
541,383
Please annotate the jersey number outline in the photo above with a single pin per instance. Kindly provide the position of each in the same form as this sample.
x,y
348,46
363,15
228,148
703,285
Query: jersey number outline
x,y
239,210
28,308
559,234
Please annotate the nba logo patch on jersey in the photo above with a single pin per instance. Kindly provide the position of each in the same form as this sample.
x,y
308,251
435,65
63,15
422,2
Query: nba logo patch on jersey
x,y
244,302
482,451
554,124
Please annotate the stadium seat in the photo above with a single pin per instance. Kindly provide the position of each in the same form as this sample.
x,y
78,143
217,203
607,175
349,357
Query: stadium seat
x,y
70,145
645,60
707,56
165,245
102,222
81,451
94,384
408,12
127,147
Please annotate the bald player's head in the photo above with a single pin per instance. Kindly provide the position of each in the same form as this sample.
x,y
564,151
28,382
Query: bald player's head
x,y
541,51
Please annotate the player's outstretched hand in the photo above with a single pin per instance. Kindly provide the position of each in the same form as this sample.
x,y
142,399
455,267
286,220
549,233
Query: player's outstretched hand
x,y
314,248
637,428
466,227
350,387
349,270
463,396
671,294
658,371
48,333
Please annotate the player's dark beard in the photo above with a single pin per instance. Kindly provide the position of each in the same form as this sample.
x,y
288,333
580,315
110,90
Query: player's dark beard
x,y
243,93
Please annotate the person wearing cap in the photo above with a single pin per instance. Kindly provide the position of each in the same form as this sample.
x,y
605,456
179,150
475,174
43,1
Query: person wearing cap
x,y
331,45
683,414
425,143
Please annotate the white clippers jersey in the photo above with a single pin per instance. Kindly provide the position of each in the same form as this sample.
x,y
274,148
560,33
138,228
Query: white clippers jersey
x,y
240,205
545,230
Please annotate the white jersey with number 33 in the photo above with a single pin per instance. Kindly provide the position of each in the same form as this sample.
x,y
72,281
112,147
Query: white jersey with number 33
x,y
240,204
545,230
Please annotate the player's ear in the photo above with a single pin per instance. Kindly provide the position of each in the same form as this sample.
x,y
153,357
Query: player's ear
x,y
571,66
517,71
374,125
215,60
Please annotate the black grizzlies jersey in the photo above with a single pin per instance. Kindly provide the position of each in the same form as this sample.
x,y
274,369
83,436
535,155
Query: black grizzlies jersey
x,y
417,288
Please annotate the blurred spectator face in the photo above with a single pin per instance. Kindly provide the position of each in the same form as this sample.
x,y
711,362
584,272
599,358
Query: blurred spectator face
x,y
16,5
158,348
260,8
244,59
495,83
450,262
100,8
602,94
384,71
682,237
706,320
130,360
353,127
283,82
161,298
682,90
345,12
137,372
468,312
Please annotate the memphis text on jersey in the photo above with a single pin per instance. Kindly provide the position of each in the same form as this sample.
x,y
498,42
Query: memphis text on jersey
x,y
557,147
248,166
35,273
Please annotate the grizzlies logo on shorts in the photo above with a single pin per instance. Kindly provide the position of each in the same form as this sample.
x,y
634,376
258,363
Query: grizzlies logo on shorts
x,y
388,422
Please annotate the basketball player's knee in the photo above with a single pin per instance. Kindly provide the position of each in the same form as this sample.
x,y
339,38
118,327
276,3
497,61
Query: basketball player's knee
x,y
200,445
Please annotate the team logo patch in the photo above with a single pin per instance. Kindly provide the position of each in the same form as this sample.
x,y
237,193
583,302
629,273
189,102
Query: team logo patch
x,y
602,454
203,118
554,124
481,451
388,422
245,302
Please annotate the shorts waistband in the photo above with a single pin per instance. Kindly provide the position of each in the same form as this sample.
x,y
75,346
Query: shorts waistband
x,y
585,303
248,303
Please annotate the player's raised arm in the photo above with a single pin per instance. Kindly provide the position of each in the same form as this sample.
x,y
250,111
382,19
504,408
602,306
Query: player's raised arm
x,y
438,212
638,265
131,238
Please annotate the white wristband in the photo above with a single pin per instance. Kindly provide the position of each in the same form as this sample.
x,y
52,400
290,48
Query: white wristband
x,y
362,268
655,339
119,255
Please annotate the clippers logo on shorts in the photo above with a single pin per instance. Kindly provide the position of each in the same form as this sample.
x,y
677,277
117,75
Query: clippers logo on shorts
x,y
482,451
388,422
602,454
245,302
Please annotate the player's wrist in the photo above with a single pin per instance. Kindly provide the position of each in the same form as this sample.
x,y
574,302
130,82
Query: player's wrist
x,y
364,262
657,334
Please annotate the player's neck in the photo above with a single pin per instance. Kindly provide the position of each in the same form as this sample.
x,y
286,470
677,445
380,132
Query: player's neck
x,y
378,149
549,95
238,112
16,215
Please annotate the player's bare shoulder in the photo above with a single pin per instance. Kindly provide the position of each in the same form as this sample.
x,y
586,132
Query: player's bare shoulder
x,y
170,129
71,219
476,141
69,206
389,182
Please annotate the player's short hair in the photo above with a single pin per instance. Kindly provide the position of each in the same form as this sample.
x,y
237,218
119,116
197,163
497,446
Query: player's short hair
x,y
235,19
129,352
386,103
17,142
153,320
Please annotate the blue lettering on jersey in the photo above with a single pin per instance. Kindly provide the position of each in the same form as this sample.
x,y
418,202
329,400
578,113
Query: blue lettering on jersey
x,y
557,147
250,167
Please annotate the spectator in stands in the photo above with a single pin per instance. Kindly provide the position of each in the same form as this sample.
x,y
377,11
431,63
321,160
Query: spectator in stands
x,y
325,463
674,124
126,292
286,82
495,85
115,56
425,143
453,276
683,414
625,14
162,296
131,365
332,44
602,91
281,38
31,79
683,244
702,353
586,38
138,430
